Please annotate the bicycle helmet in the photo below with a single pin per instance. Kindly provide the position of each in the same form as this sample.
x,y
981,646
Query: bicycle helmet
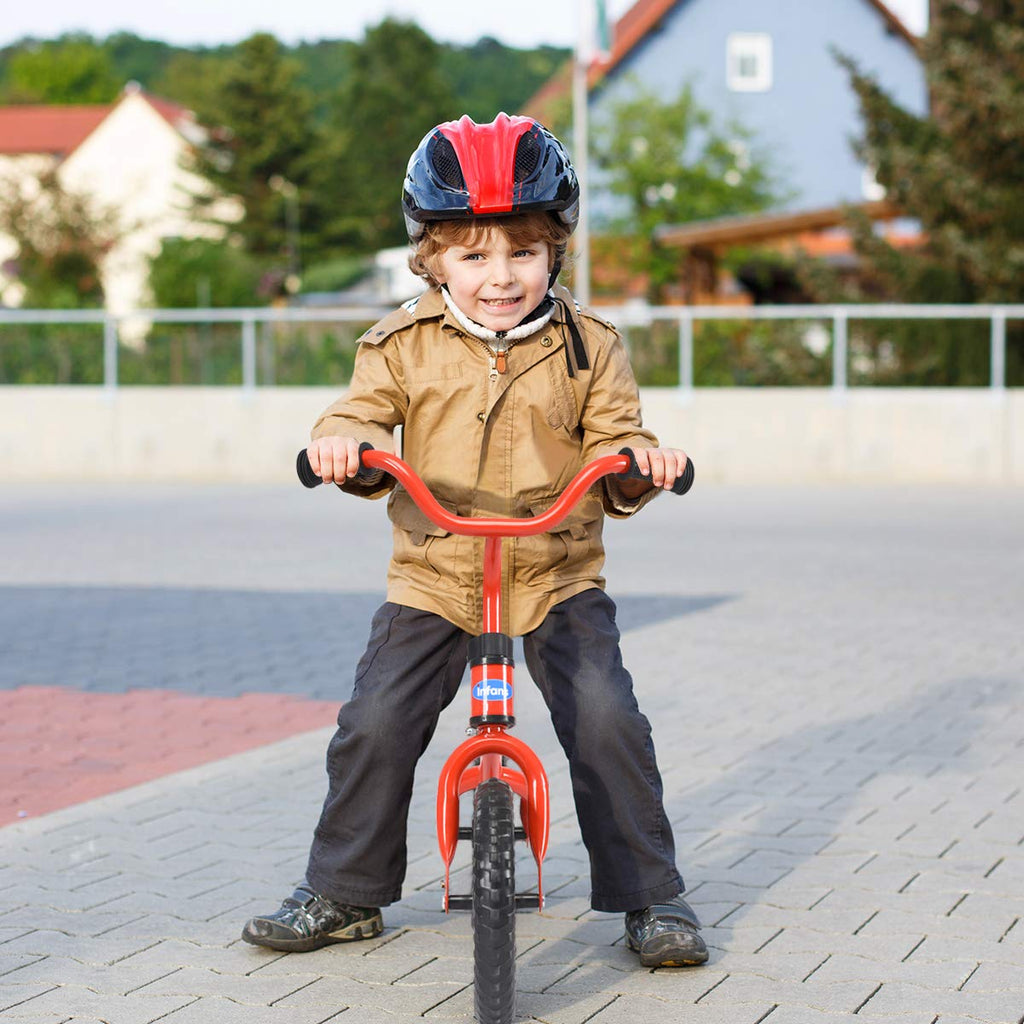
x,y
511,165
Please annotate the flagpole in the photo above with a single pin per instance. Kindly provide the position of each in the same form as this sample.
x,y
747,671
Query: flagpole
x,y
580,128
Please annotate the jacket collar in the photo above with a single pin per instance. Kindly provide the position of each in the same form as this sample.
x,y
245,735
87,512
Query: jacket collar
x,y
431,305
426,306
502,339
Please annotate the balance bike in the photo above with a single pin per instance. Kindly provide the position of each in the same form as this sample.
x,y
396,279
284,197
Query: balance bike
x,y
497,767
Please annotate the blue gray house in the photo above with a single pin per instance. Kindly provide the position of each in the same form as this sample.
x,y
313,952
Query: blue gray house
x,y
768,64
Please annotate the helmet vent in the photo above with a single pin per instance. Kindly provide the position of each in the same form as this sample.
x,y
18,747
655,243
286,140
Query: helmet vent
x,y
446,163
527,156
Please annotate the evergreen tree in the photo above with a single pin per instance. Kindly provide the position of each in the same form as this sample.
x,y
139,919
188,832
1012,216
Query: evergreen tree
x,y
259,118
135,59
959,171
193,78
325,64
394,93
489,77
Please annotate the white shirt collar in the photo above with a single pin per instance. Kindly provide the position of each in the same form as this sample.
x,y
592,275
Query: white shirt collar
x,y
501,339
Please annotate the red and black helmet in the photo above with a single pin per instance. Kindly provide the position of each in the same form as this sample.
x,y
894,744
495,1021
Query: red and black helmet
x,y
464,169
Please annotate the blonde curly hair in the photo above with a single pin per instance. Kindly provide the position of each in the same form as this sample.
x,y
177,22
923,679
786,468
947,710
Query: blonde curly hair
x,y
520,230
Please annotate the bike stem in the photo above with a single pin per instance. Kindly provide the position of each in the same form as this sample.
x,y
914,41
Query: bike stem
x,y
492,585
490,656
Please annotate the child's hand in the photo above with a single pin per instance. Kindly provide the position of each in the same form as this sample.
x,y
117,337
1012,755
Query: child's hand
x,y
665,465
334,459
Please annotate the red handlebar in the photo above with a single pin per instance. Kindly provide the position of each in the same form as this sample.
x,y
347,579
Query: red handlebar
x,y
467,526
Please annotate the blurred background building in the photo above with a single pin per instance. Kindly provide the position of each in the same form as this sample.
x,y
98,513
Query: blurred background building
x,y
764,81
738,154
128,159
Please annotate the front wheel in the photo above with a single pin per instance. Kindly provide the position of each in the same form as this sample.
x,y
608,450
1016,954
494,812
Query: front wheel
x,y
494,902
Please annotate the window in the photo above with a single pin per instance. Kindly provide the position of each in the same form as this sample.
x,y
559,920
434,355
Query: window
x,y
748,61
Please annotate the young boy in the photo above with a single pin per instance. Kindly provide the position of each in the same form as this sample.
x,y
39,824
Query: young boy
x,y
504,389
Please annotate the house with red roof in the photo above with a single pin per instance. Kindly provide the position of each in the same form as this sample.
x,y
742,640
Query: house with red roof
x,y
770,67
129,157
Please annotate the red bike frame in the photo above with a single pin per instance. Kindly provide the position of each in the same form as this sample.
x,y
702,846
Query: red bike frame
x,y
491,678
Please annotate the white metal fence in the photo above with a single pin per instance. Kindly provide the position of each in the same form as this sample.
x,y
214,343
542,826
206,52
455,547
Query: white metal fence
x,y
685,317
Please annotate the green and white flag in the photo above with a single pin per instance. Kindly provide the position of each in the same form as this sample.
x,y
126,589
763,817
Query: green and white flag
x,y
594,41
602,34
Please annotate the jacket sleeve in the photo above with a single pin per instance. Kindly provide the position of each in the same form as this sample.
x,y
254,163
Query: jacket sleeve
x,y
610,418
375,403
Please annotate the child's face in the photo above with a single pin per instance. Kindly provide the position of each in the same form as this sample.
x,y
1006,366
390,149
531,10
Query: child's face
x,y
493,283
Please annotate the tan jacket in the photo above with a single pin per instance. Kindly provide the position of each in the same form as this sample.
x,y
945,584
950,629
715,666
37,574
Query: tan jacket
x,y
506,447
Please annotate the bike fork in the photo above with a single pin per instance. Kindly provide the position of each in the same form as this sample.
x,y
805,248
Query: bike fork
x,y
483,754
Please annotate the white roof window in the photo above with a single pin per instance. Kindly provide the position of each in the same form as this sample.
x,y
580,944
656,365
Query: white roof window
x,y
748,61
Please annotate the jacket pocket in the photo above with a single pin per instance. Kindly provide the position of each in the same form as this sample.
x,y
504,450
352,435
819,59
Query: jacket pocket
x,y
434,372
423,551
562,410
571,551
406,515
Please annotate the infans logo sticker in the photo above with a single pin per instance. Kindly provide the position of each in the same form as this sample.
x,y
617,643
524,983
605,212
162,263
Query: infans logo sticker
x,y
492,689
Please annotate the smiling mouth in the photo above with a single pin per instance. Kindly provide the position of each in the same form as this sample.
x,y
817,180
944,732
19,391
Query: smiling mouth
x,y
502,302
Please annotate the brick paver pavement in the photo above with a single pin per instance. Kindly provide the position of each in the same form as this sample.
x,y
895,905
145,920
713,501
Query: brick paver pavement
x,y
60,746
836,682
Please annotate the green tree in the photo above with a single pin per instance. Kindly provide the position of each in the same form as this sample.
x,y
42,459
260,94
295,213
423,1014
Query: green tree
x,y
957,171
61,237
72,69
395,92
489,77
134,59
259,117
203,272
668,162
193,78
325,64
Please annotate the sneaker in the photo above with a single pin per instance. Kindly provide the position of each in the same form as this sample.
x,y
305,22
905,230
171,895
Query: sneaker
x,y
308,921
665,935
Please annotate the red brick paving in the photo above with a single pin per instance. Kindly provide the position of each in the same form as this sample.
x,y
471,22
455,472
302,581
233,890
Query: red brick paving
x,y
59,746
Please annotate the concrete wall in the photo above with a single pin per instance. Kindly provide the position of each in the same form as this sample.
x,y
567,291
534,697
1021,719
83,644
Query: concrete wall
x,y
887,435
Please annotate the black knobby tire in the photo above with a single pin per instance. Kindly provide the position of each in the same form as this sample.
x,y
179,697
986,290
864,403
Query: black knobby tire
x,y
494,903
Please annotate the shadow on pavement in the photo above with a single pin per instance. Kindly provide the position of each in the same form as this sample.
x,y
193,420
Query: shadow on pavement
x,y
212,642
824,828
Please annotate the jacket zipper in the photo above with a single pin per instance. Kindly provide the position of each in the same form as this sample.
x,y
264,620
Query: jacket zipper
x,y
497,356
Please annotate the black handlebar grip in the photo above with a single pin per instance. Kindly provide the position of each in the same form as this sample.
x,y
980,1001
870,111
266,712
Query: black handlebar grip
x,y
682,483
685,482
305,470
310,479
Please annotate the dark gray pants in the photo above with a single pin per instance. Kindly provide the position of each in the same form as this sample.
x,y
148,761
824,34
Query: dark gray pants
x,y
411,671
